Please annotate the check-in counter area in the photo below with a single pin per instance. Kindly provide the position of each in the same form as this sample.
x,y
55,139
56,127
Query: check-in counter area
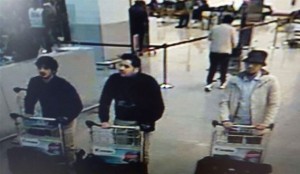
x,y
76,66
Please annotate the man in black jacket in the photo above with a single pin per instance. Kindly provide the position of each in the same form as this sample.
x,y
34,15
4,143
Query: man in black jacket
x,y
57,97
137,98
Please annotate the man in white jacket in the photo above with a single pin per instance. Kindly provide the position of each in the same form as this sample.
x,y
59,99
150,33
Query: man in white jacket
x,y
253,96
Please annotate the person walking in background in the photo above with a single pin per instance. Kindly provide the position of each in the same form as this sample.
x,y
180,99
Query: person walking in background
x,y
223,39
253,96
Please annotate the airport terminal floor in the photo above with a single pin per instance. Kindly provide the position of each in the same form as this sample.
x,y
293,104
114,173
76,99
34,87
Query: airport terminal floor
x,y
183,134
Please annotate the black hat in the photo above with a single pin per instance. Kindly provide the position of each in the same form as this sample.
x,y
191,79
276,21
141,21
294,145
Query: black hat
x,y
257,56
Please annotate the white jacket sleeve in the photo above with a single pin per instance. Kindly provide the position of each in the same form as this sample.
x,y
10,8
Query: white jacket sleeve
x,y
224,103
273,102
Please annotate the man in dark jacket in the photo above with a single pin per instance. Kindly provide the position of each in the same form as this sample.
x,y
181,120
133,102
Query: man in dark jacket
x,y
57,97
137,98
139,22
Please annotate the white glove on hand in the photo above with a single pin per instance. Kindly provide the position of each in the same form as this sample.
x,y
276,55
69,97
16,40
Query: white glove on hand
x,y
227,124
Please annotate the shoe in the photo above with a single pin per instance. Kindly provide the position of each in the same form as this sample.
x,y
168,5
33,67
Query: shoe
x,y
223,86
208,87
178,26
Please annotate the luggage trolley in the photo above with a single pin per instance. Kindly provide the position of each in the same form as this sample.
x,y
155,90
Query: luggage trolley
x,y
237,150
114,150
239,143
40,144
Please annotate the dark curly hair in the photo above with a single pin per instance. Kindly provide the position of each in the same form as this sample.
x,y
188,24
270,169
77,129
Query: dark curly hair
x,y
48,62
135,60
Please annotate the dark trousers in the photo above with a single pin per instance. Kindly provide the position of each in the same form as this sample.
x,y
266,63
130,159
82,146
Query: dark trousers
x,y
197,14
184,20
42,37
216,60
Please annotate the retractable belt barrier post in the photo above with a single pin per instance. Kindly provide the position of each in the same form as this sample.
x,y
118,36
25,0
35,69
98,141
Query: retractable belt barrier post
x,y
277,21
165,46
165,85
275,35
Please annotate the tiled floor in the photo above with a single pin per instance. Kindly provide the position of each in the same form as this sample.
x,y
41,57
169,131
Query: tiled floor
x,y
183,134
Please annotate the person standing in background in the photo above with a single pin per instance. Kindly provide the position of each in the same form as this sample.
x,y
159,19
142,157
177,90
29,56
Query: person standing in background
x,y
182,12
138,19
51,22
38,18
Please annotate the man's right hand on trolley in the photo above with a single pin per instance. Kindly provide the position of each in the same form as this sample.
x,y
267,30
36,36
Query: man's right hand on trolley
x,y
105,125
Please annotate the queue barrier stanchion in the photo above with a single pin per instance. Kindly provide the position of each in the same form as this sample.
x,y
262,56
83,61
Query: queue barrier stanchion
x,y
275,36
165,84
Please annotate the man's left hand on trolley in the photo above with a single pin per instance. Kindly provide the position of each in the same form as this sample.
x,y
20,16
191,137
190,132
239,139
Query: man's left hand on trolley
x,y
261,126
261,129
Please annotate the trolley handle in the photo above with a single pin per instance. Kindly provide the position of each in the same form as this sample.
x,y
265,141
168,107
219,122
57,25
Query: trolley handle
x,y
18,89
90,124
216,123
14,116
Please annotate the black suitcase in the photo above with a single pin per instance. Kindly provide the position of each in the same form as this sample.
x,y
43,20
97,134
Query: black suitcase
x,y
223,165
27,160
94,165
